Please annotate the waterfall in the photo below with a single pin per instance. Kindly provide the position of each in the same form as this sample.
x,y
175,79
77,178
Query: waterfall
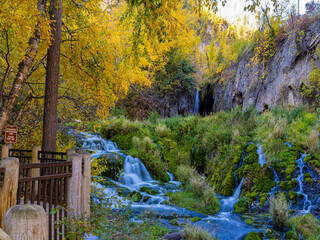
x,y
262,156
227,203
302,165
134,172
196,103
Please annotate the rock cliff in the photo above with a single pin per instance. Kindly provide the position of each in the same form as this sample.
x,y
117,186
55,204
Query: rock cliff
x,y
282,83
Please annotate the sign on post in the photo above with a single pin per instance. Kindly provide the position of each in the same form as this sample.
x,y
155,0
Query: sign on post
x,y
11,134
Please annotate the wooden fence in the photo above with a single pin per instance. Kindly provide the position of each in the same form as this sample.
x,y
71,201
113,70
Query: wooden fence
x,y
50,179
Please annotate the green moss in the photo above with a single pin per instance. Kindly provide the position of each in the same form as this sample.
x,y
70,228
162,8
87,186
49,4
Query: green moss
x,y
293,196
249,221
242,205
195,219
308,226
292,235
136,196
228,184
262,198
283,185
251,158
253,236
148,190
292,184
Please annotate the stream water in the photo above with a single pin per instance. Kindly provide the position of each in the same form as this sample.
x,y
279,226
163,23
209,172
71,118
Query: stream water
x,y
225,225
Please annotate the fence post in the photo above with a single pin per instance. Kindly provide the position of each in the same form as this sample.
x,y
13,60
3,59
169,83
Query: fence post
x,y
74,183
4,236
8,193
26,221
70,151
5,150
35,172
86,179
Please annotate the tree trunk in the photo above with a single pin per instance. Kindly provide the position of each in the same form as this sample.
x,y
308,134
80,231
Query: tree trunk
x,y
50,115
22,73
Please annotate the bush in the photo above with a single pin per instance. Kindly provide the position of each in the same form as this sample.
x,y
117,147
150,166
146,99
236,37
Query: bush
x,y
279,210
307,225
197,184
184,173
210,200
195,233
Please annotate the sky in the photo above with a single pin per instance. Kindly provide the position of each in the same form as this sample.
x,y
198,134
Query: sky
x,y
234,9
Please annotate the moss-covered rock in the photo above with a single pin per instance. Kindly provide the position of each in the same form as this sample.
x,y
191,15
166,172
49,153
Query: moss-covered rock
x,y
136,196
228,184
293,196
253,236
292,235
150,191
195,219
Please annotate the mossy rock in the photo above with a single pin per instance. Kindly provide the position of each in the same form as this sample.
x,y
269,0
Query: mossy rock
x,y
249,221
146,198
292,184
136,196
195,219
293,196
292,235
262,198
283,185
228,184
148,190
253,236
251,158
242,205
252,148
307,177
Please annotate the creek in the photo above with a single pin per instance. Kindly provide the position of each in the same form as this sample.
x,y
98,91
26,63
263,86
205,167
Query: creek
x,y
135,178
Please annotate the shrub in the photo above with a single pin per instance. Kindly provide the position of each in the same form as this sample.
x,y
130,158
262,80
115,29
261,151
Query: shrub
x,y
184,173
195,233
197,184
279,210
307,225
210,200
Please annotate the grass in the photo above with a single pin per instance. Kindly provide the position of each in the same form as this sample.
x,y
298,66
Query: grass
x,y
308,226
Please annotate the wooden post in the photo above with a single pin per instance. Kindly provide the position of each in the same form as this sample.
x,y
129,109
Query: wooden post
x,y
4,236
8,193
26,221
86,179
5,150
35,172
74,183
71,151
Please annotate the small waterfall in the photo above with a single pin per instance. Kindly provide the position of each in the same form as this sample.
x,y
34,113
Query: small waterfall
x,y
196,103
171,176
262,156
302,165
134,172
227,203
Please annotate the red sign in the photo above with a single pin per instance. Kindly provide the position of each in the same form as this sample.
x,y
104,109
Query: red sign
x,y
11,134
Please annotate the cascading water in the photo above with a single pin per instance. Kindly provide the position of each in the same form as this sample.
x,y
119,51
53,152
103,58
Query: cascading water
x,y
196,103
307,205
134,172
227,226
262,156
227,203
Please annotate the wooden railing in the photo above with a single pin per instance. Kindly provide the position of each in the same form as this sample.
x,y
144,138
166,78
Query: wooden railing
x,y
47,179
24,156
48,190
52,156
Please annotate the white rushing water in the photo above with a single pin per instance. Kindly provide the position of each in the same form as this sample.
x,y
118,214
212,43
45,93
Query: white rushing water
x,y
262,156
225,225
227,203
307,206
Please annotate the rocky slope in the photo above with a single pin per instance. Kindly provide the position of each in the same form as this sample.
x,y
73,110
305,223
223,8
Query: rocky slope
x,y
282,84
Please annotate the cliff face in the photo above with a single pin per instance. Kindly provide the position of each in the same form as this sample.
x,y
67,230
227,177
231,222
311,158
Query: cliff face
x,y
281,86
